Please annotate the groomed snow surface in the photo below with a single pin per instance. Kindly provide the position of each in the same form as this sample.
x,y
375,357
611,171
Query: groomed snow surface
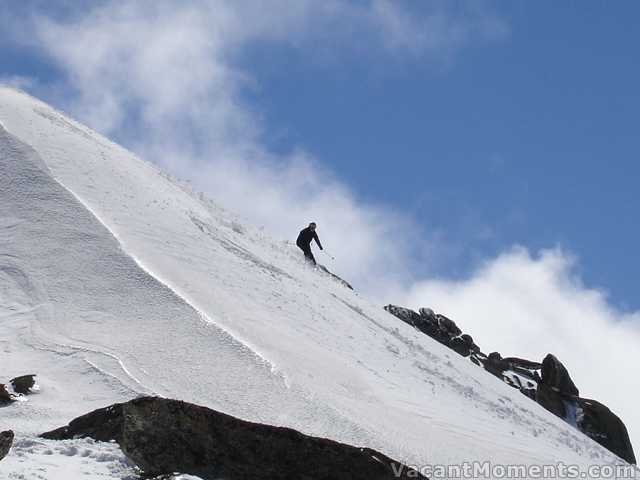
x,y
116,280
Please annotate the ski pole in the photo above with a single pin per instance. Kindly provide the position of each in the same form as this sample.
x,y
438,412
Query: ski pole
x,y
330,256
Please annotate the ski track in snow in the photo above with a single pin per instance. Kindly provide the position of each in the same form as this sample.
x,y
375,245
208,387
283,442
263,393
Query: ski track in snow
x,y
116,280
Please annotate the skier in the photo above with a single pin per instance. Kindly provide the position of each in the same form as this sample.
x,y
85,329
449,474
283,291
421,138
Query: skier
x,y
304,241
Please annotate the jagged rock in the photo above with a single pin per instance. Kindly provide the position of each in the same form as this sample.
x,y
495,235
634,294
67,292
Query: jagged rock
x,y
468,340
428,313
515,372
405,314
23,384
551,400
448,326
6,440
556,376
104,425
430,327
525,366
163,436
529,392
437,326
464,345
19,386
5,396
558,394
603,426
494,364
426,321
556,391
553,388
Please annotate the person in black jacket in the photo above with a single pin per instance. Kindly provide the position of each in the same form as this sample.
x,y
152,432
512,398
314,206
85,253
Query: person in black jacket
x,y
304,241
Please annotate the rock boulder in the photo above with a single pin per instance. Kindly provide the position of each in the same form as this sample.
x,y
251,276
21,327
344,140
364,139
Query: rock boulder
x,y
23,384
6,440
163,436
606,428
548,383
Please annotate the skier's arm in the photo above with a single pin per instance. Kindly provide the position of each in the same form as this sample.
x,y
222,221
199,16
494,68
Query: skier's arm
x,y
315,236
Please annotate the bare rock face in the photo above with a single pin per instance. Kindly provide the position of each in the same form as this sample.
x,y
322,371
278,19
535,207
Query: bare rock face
x,y
163,436
5,396
23,384
6,440
556,376
556,391
16,387
103,425
547,383
438,327
606,428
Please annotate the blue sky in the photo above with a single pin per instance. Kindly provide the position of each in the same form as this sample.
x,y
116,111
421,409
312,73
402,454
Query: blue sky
x,y
479,158
528,139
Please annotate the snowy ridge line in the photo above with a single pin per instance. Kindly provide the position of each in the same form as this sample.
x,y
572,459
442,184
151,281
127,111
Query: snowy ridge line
x,y
39,103
170,287
105,141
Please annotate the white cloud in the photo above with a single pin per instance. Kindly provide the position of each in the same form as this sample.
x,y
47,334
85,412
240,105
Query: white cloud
x,y
164,78
18,81
529,306
439,33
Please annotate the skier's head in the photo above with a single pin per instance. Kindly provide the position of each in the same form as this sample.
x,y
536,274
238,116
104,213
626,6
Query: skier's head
x,y
312,225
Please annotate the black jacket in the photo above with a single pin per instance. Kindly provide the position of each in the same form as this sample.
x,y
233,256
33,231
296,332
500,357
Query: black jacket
x,y
305,237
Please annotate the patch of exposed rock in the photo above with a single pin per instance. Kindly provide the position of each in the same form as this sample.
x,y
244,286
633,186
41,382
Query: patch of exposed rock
x,y
547,383
6,440
163,436
16,387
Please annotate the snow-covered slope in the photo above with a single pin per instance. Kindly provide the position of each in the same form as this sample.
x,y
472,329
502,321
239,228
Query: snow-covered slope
x,y
117,280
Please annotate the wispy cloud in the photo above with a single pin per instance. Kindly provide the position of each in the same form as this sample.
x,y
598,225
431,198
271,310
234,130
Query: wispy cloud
x,y
18,81
163,78
441,32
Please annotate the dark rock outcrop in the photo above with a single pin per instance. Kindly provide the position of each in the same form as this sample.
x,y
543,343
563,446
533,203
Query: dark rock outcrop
x,y
163,436
5,396
556,377
547,383
23,384
438,327
495,364
6,440
602,425
464,345
103,425
556,391
17,386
